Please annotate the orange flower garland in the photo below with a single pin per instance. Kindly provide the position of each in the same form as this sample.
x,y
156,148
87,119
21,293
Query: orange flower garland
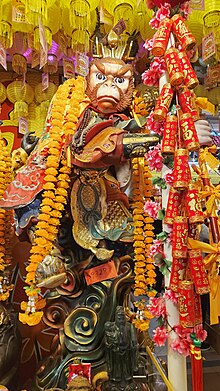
x,y
143,237
67,105
6,218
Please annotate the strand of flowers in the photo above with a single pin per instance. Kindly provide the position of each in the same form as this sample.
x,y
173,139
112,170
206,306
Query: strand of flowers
x,y
143,237
5,222
182,341
63,122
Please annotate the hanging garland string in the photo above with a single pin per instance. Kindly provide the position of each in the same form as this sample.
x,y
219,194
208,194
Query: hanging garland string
x,y
67,106
144,268
6,218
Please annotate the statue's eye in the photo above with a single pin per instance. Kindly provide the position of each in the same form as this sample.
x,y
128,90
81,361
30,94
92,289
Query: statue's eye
x,y
100,77
119,80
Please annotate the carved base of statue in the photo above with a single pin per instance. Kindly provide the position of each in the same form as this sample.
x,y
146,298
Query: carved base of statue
x,y
121,386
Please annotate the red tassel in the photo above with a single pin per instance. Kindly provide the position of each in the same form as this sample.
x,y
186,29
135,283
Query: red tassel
x,y
196,364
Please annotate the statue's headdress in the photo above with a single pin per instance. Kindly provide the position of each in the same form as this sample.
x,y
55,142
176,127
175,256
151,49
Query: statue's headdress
x,y
116,44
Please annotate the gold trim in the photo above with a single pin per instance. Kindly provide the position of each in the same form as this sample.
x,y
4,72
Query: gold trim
x,y
177,79
159,115
185,115
168,220
187,324
171,50
192,83
182,152
168,149
202,290
193,146
180,185
159,50
195,253
179,254
196,219
185,284
181,219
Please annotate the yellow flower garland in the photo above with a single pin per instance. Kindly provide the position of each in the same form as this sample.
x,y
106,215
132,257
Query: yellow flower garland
x,y
67,105
6,218
144,268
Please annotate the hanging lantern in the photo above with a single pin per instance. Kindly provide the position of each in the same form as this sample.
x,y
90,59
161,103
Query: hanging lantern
x,y
80,40
52,64
6,37
122,10
214,96
37,8
144,16
51,27
19,22
3,95
212,14
53,57
19,64
79,14
21,95
201,91
46,95
44,98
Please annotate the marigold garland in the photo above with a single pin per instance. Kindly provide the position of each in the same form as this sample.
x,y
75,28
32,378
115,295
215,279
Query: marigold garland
x,y
144,268
66,109
6,218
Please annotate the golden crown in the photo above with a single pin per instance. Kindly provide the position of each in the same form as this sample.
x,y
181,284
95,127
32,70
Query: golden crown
x,y
116,44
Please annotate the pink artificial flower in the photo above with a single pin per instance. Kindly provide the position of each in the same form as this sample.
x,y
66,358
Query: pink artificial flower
x,y
171,295
154,157
182,346
148,44
156,247
169,178
183,333
163,12
160,336
185,9
159,65
155,126
170,236
159,3
150,78
151,208
157,306
201,334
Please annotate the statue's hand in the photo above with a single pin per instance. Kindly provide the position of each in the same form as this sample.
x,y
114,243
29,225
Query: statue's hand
x,y
137,144
29,142
204,132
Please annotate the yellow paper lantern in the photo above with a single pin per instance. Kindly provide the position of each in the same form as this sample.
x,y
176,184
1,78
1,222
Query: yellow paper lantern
x,y
21,95
37,8
211,18
46,95
20,24
214,96
51,27
121,10
6,37
44,99
19,64
201,91
144,17
3,95
80,40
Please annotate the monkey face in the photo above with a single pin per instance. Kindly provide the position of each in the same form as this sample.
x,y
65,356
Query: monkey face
x,y
108,85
